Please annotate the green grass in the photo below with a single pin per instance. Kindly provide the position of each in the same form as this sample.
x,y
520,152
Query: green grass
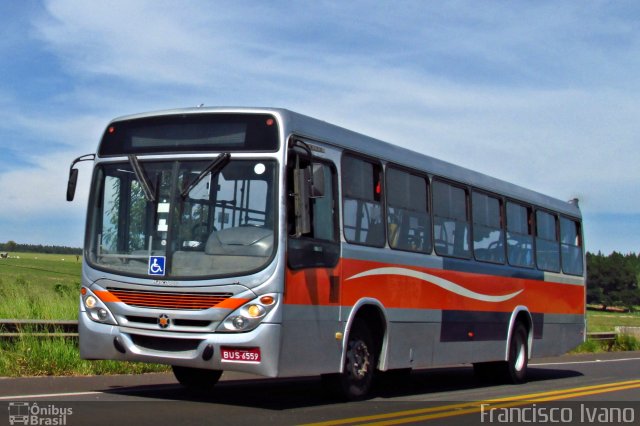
x,y
31,356
47,287
621,343
607,321
39,286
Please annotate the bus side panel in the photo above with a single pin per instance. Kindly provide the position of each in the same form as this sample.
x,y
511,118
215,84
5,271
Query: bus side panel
x,y
310,321
410,345
309,344
560,334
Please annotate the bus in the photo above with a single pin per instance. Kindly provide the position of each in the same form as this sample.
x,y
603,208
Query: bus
x,y
264,241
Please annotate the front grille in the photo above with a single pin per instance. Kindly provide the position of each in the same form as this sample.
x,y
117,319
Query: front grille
x,y
176,321
164,344
169,300
142,320
191,323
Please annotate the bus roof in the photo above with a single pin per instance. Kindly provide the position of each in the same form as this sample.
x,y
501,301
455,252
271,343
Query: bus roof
x,y
331,134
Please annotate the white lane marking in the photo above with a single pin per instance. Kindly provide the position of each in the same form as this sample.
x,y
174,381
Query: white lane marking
x,y
112,391
48,395
587,362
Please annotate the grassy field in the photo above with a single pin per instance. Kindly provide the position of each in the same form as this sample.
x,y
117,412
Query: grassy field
x,y
46,286
607,321
39,286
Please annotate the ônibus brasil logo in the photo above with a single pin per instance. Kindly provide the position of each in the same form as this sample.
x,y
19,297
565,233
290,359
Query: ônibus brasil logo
x,y
26,413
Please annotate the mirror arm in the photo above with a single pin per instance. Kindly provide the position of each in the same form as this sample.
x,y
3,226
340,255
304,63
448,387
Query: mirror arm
x,y
86,157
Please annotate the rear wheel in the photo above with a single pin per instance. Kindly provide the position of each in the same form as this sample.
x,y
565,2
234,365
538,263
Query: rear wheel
x,y
196,379
355,381
515,369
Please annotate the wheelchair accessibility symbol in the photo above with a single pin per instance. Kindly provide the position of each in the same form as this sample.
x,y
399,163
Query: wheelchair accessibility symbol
x,y
156,265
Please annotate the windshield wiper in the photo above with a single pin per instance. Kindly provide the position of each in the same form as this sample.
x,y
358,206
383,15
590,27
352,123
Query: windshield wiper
x,y
215,167
142,178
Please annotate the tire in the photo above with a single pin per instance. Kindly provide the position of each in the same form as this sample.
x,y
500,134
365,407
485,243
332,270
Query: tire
x,y
355,382
512,371
515,368
196,379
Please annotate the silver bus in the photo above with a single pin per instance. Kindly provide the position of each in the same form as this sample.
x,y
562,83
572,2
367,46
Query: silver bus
x,y
264,241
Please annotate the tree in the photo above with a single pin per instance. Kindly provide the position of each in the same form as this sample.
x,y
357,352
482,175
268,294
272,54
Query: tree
x,y
613,279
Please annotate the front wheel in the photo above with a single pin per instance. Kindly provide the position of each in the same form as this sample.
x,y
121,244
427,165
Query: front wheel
x,y
354,383
196,379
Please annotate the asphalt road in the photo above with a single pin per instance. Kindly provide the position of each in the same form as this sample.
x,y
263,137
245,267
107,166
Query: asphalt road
x,y
578,389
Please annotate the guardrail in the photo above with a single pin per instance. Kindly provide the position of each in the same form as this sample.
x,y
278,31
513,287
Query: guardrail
x,y
13,328
602,335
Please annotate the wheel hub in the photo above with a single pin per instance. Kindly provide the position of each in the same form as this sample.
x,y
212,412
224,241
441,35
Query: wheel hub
x,y
360,357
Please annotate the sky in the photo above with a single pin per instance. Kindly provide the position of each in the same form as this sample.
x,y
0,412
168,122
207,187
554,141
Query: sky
x,y
543,94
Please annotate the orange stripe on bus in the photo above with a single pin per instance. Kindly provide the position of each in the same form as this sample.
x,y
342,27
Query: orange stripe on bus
x,y
410,292
232,303
106,296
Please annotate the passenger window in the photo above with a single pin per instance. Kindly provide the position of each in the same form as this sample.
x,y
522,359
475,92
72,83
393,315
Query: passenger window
x,y
408,220
571,247
362,202
451,220
519,235
488,235
547,246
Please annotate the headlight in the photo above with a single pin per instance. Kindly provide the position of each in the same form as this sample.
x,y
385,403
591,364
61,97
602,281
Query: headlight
x,y
95,308
248,316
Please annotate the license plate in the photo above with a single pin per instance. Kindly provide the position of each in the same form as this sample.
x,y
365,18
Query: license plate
x,y
240,354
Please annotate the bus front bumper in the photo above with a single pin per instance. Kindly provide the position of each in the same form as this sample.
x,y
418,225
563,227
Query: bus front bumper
x,y
196,350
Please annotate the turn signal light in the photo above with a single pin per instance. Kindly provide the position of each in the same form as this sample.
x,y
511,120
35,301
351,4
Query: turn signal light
x,y
267,300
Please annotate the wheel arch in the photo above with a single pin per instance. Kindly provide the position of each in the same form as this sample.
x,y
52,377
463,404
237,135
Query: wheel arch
x,y
373,313
520,314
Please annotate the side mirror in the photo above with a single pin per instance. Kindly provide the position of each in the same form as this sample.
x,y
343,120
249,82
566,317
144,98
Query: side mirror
x,y
73,175
71,184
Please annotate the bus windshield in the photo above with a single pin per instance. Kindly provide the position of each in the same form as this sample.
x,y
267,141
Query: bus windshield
x,y
195,225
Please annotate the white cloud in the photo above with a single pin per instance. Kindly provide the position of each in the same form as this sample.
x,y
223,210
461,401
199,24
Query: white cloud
x,y
542,95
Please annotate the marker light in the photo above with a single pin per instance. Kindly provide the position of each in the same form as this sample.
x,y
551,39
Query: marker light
x,y
269,122
267,300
